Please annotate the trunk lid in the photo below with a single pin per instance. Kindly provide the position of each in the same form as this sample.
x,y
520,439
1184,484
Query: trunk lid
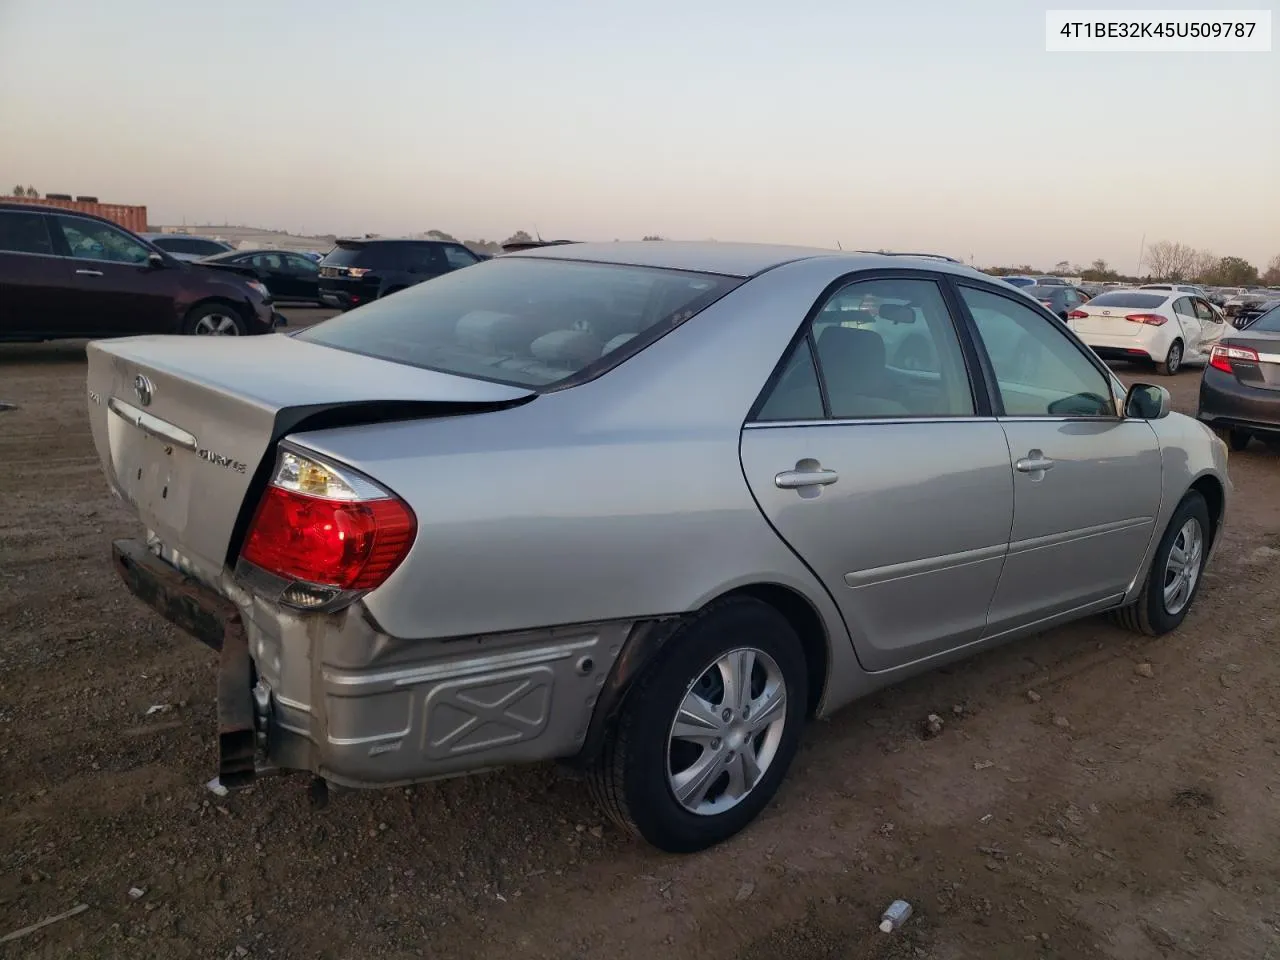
x,y
1265,373
186,427
1107,320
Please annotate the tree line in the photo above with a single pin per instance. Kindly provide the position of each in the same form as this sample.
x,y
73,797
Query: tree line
x,y
1166,260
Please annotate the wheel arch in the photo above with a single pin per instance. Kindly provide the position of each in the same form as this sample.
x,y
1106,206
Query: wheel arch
x,y
1215,496
648,637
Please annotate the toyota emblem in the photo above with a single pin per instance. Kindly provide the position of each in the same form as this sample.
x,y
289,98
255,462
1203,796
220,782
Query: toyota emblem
x,y
144,389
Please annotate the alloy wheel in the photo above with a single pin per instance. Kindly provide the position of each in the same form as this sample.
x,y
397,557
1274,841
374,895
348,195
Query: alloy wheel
x,y
726,731
1182,569
216,325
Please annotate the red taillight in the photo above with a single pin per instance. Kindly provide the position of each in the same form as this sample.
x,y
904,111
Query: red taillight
x,y
1077,315
1221,357
320,525
1151,319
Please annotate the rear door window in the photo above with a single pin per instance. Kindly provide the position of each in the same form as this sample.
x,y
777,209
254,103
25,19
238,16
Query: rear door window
x,y
884,348
531,322
24,233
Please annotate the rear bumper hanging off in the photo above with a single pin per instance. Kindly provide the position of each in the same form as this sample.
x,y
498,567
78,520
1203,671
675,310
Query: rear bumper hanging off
x,y
215,622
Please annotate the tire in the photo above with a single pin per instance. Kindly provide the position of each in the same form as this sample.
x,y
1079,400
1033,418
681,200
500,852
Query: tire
x,y
1150,613
214,320
1172,362
633,777
1238,440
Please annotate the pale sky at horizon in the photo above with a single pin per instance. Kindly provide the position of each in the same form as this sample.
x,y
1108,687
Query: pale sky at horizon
x,y
914,125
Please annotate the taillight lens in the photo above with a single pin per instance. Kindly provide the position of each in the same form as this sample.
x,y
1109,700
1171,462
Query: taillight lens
x,y
1150,319
328,526
1077,315
1220,358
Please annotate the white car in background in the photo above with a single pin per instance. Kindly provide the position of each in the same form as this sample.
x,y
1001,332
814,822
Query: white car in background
x,y
1193,289
1166,327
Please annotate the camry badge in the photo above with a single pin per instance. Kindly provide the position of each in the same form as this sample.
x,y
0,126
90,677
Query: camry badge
x,y
144,389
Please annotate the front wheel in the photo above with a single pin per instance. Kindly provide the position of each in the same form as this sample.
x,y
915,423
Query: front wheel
x,y
708,732
214,320
1174,577
1172,362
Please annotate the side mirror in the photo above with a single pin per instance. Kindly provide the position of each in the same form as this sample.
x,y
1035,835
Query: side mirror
x,y
155,261
1146,401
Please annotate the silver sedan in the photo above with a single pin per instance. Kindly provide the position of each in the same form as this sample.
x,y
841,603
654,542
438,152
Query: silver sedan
x,y
646,507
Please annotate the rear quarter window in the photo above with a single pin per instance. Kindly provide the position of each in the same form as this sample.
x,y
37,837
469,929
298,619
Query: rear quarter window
x,y
531,322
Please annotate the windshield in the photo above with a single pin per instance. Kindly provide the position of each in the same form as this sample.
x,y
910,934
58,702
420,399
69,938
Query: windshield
x,y
1129,300
526,321
1047,293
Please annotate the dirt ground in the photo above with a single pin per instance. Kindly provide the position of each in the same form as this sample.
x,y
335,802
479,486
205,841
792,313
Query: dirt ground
x,y
1073,807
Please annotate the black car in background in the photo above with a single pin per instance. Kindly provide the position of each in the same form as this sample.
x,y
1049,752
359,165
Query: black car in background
x,y
1248,313
65,274
289,276
1060,298
1240,388
357,271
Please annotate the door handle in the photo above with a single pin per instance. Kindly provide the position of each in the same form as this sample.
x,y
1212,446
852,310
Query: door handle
x,y
1034,462
88,273
795,479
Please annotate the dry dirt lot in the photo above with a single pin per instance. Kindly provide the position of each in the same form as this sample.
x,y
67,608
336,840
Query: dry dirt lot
x,y
1073,807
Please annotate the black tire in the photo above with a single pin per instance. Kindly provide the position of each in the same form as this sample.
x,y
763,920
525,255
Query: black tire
x,y
1238,440
630,777
1172,362
1148,614
205,319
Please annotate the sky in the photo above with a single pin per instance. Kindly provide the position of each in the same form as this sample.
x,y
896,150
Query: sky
x,y
930,126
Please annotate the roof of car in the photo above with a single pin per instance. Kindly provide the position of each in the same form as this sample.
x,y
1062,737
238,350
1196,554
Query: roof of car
x,y
726,259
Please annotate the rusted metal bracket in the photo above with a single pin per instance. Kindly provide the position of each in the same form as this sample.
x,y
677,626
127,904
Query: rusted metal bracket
x,y
216,622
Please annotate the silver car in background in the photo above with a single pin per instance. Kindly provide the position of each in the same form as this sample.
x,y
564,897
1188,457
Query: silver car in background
x,y
643,506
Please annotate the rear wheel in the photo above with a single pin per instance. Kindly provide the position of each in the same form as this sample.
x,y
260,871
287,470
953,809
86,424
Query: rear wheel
x,y
1174,577
1238,440
708,732
1172,362
214,320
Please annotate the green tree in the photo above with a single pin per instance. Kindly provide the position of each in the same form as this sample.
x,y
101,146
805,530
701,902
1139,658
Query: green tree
x,y
1271,276
19,191
442,236
520,236
32,192
1233,272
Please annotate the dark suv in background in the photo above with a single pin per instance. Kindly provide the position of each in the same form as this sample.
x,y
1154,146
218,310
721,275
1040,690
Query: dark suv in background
x,y
357,271
69,275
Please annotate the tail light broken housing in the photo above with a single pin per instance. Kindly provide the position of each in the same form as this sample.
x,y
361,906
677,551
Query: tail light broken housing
x,y
323,534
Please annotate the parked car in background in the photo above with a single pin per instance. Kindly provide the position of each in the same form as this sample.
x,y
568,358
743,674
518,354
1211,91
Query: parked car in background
x,y
1240,388
65,275
182,246
1060,299
1194,289
289,276
1249,313
514,514
1242,303
358,271
1161,327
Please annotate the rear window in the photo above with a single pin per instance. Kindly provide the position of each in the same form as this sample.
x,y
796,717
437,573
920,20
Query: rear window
x,y
1020,281
1046,292
528,322
1129,300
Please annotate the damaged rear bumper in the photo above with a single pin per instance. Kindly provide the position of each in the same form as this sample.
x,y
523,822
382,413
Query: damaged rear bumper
x,y
330,694
215,622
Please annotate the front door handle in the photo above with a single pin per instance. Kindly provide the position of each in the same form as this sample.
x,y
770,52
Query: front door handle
x,y
88,273
1034,462
813,476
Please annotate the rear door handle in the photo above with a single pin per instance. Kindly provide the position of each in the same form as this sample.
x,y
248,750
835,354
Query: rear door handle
x,y
88,273
795,479
1034,462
